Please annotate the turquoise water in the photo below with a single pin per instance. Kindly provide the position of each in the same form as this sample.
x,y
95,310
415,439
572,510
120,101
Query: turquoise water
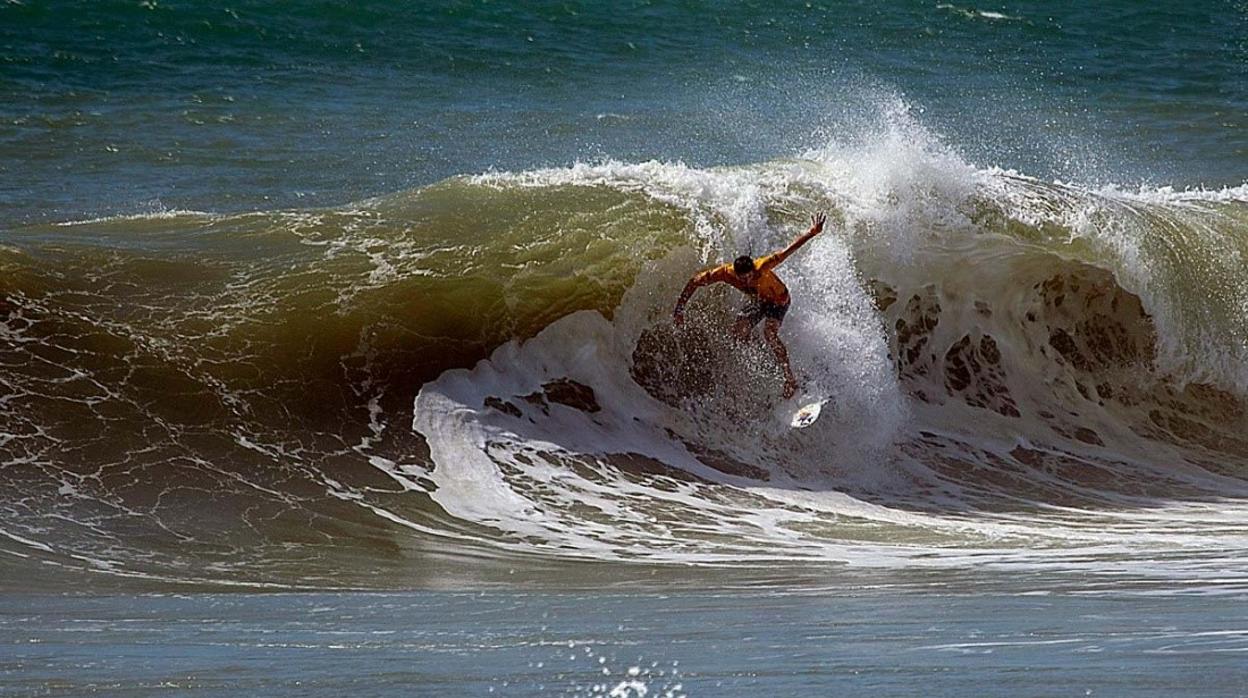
x,y
334,352
118,107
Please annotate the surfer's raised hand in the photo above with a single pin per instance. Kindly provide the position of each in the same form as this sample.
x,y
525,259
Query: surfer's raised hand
x,y
817,221
774,260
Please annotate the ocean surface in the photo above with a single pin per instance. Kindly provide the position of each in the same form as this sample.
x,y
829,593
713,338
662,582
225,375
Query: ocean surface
x,y
362,308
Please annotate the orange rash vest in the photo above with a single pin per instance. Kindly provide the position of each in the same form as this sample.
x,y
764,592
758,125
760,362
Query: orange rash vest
x,y
768,288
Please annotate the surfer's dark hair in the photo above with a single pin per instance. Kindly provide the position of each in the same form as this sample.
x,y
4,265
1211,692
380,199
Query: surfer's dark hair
x,y
743,264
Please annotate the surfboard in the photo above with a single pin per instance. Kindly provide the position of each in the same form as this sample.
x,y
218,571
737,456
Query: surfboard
x,y
808,413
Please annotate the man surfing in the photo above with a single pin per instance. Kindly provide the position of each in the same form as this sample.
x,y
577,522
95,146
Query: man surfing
x,y
769,296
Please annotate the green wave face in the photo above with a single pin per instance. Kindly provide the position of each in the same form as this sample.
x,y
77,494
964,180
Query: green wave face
x,y
168,376
421,280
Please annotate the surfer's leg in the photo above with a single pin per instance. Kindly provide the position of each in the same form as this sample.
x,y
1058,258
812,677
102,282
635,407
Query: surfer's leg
x,y
745,323
771,332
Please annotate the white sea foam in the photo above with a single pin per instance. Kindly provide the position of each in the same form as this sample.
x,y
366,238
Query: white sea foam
x,y
159,214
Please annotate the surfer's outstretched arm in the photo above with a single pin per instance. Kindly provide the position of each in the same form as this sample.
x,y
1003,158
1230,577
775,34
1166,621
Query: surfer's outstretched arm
x,y
774,260
705,278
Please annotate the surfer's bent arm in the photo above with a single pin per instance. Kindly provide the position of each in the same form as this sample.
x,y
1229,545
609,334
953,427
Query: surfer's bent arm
x,y
773,260
704,278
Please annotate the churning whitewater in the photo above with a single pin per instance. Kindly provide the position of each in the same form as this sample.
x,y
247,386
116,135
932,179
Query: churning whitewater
x,y
1024,375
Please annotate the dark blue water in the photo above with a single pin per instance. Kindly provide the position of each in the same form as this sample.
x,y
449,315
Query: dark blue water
x,y
116,106
623,645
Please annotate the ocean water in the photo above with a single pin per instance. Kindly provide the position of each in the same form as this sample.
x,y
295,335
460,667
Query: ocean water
x,y
365,308
864,642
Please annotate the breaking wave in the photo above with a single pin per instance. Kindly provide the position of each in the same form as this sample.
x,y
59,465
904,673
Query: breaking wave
x,y
1023,374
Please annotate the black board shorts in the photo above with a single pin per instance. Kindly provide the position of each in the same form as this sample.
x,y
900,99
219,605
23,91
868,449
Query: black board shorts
x,y
756,310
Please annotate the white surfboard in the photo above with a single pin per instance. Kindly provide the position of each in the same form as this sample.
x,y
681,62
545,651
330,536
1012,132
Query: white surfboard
x,y
808,413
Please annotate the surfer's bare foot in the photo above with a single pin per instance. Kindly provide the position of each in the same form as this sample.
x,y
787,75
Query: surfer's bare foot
x,y
790,387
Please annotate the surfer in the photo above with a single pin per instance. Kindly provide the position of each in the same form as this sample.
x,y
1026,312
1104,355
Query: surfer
x,y
769,296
